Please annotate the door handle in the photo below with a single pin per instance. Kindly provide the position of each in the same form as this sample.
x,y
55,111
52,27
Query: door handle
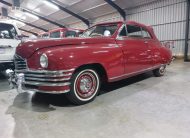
x,y
146,42
4,46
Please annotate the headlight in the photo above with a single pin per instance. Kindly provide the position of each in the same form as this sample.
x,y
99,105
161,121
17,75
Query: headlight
x,y
44,61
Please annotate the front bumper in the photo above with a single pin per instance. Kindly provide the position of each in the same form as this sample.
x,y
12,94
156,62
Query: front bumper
x,y
43,81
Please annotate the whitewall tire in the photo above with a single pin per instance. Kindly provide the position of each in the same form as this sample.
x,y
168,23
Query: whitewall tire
x,y
85,85
160,71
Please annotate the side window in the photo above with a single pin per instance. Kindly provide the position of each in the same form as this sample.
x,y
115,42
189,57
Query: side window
x,y
134,31
44,35
55,34
145,33
7,31
70,34
123,32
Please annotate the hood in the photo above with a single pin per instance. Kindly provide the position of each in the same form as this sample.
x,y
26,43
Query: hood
x,y
27,48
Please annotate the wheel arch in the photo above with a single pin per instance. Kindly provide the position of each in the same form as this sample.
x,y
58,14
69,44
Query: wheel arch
x,y
99,68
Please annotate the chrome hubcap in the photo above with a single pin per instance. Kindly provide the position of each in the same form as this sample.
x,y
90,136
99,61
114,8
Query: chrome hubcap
x,y
162,70
85,85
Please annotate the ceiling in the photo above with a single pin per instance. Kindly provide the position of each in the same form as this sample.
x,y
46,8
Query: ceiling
x,y
88,9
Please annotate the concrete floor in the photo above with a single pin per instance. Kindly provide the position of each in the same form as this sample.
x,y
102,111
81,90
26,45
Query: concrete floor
x,y
139,107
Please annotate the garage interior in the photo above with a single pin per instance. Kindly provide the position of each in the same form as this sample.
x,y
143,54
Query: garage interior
x,y
143,106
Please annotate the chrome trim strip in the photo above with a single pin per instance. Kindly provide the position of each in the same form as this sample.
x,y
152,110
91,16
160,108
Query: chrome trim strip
x,y
24,64
47,79
37,83
20,63
44,71
134,72
47,75
18,56
40,91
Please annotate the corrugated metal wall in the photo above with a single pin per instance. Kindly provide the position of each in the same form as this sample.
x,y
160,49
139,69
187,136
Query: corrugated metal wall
x,y
167,17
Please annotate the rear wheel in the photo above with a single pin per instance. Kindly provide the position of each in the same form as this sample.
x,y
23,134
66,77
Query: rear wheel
x,y
85,85
160,71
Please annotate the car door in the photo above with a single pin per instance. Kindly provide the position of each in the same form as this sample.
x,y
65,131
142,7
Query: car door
x,y
154,47
8,43
136,52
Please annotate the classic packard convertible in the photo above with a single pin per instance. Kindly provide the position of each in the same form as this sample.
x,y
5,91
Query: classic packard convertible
x,y
106,52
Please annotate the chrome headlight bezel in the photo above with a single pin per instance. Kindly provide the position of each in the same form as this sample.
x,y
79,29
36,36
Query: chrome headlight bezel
x,y
44,61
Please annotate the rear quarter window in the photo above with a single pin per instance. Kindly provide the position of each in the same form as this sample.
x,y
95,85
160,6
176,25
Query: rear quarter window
x,y
134,31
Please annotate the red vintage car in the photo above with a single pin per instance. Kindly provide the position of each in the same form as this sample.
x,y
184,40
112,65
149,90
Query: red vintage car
x,y
65,32
106,52
61,33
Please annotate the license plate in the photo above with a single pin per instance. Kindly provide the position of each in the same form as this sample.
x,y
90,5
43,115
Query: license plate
x,y
2,50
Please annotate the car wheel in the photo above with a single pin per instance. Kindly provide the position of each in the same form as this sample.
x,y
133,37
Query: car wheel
x,y
160,71
85,85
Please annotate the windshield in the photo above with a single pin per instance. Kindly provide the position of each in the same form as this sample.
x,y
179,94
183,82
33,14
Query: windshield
x,y
70,34
100,31
7,31
45,35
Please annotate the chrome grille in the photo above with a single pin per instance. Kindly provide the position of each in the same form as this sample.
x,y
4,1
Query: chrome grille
x,y
20,63
46,78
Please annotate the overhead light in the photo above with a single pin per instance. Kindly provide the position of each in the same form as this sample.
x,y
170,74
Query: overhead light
x,y
51,5
37,10
18,14
31,15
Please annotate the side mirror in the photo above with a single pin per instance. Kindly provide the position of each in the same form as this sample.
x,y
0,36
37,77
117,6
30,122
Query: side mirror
x,y
19,37
107,33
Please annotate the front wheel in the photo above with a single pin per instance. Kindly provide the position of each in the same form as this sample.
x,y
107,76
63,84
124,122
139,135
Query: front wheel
x,y
160,71
85,85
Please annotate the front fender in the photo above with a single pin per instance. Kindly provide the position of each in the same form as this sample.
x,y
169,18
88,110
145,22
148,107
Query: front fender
x,y
60,58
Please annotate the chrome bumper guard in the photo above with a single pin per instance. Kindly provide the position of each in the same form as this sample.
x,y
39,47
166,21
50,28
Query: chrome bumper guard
x,y
20,79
